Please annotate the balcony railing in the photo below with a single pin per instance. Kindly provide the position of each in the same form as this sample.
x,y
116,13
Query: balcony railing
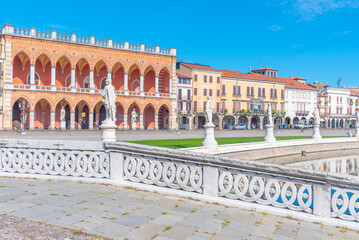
x,y
184,111
302,113
85,90
184,98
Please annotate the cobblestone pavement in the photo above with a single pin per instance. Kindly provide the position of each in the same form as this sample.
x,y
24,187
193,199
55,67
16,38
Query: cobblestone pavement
x,y
127,213
87,135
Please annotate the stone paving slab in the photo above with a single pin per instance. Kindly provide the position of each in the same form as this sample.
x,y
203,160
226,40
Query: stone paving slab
x,y
127,213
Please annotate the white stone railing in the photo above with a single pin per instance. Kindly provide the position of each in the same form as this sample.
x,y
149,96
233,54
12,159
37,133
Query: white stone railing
x,y
9,29
271,187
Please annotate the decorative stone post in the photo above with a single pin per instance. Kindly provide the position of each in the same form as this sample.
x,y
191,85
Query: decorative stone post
x,y
316,133
356,134
209,140
269,136
133,119
108,126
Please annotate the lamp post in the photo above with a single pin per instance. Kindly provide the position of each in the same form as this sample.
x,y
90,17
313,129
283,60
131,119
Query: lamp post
x,y
23,115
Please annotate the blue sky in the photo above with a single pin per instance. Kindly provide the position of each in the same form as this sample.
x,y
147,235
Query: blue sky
x,y
313,39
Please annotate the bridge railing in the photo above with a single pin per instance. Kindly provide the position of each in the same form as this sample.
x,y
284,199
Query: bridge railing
x,y
316,193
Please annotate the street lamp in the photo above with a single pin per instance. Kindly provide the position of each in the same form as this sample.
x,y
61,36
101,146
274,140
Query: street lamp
x,y
23,115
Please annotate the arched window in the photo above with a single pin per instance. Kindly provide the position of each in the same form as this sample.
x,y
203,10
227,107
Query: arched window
x,y
37,79
68,81
103,83
86,83
135,84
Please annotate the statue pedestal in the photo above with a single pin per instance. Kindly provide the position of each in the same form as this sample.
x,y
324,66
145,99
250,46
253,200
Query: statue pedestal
x,y
269,136
356,134
316,133
209,140
133,126
63,125
108,131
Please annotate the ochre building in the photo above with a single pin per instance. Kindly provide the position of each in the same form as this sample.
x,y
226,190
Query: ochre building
x,y
45,71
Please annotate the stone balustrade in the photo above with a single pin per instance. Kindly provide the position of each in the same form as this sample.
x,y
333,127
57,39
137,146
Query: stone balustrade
x,y
293,190
9,29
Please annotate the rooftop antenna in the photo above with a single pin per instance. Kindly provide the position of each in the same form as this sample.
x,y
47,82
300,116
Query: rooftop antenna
x,y
339,82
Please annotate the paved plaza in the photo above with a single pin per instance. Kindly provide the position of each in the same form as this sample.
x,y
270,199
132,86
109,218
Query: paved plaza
x,y
88,135
60,210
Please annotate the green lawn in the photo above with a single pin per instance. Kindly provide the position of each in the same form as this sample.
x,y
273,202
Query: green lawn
x,y
196,142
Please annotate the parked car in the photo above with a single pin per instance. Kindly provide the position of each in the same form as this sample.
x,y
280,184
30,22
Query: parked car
x,y
240,127
299,125
308,126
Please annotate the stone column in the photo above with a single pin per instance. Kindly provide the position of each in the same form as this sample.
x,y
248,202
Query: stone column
x,y
209,139
141,121
91,120
316,133
91,85
73,79
269,136
109,76
52,120
249,122
321,200
126,83
32,75
261,119
235,120
190,122
125,118
53,78
32,120
72,120
156,121
220,122
141,85
156,86
170,90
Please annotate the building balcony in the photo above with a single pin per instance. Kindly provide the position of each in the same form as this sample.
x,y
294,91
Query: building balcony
x,y
340,115
184,98
59,89
302,113
184,112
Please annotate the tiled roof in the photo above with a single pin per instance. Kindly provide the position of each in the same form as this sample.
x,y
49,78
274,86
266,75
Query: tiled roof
x,y
297,78
264,68
354,93
251,76
199,67
318,85
182,75
321,95
291,83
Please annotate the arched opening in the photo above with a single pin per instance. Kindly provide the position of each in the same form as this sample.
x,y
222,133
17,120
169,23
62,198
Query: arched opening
x,y
149,117
329,123
129,115
184,123
255,122
243,121
228,122
17,113
21,68
333,123
103,83
118,77
164,81
215,120
134,78
278,122
304,120
287,122
120,115
295,120
100,72
341,123
149,81
65,104
163,118
82,74
42,114
63,71
36,79
82,116
99,114
43,71
311,120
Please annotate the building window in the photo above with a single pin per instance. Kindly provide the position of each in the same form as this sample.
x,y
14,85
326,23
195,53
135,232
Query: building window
x,y
263,92
259,92
223,105
252,91
218,80
275,93
205,78
179,80
195,77
218,93
234,90
238,90
282,93
271,92
204,92
195,106
195,91
223,89
210,79
217,107
204,106
248,91
210,92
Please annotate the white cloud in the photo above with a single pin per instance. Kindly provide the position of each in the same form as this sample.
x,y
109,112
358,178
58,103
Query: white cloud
x,y
343,33
275,28
309,9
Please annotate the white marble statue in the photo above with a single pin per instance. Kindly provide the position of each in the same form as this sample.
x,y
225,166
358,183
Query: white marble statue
x,y
269,115
316,116
209,110
62,114
357,118
133,116
109,98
